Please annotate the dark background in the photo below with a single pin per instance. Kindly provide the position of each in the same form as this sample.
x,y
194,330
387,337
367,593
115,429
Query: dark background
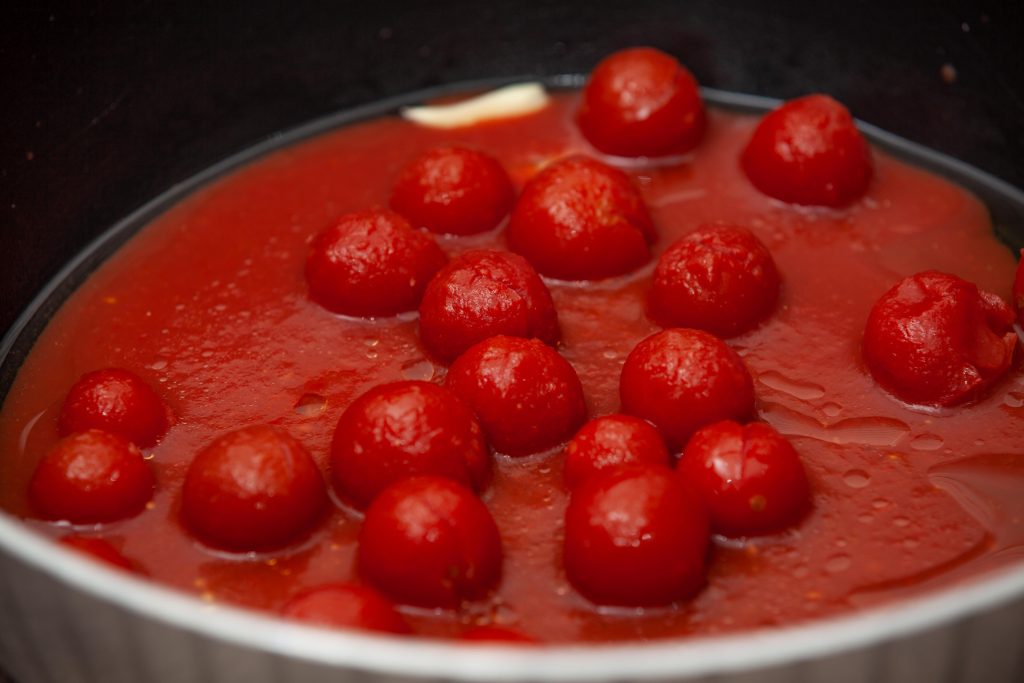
x,y
101,108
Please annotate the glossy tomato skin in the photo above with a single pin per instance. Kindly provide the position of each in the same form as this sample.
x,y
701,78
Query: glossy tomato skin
x,y
750,475
809,151
91,477
683,379
371,264
497,635
99,549
346,605
612,441
252,489
117,401
636,536
481,294
527,397
1018,290
453,190
937,340
429,541
641,102
580,219
719,278
403,429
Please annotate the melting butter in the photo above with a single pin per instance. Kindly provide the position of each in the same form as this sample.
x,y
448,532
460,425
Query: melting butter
x,y
512,100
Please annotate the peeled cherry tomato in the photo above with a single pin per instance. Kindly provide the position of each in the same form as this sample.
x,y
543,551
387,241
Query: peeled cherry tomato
x,y
453,190
346,605
99,549
116,401
371,263
528,397
497,634
751,477
91,477
809,151
1018,290
612,441
934,339
641,102
481,294
719,278
252,489
682,379
579,219
402,429
431,542
636,536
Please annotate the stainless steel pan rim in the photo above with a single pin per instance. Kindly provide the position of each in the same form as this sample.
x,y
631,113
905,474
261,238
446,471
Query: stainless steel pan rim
x,y
435,658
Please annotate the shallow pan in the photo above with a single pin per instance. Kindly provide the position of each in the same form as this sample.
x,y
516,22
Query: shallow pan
x,y
66,619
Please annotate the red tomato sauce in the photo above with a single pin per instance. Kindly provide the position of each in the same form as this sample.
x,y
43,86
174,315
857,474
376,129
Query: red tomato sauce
x,y
209,305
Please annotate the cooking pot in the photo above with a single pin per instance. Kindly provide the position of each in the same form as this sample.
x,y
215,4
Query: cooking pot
x,y
108,107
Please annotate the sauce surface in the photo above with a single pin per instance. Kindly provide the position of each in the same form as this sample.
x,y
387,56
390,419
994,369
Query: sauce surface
x,y
209,305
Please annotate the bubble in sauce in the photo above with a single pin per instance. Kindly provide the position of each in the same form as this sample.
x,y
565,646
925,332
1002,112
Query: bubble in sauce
x,y
310,405
422,370
857,479
927,442
838,563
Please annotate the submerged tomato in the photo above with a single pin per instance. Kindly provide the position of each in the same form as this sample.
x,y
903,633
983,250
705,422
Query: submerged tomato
x,y
528,397
371,263
481,294
934,339
453,190
99,549
91,477
719,278
346,605
612,441
579,219
809,151
636,536
751,477
681,380
117,401
431,542
403,429
252,489
641,102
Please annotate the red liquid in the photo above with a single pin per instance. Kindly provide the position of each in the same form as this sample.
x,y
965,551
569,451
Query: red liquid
x,y
209,305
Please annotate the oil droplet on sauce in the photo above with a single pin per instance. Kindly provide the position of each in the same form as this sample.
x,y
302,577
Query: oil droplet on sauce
x,y
864,431
310,405
1014,399
857,479
422,370
989,486
927,442
831,409
805,391
838,563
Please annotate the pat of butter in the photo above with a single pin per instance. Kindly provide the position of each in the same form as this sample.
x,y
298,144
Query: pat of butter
x,y
512,100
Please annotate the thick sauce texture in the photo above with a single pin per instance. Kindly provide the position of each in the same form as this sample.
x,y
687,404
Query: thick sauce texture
x,y
209,305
